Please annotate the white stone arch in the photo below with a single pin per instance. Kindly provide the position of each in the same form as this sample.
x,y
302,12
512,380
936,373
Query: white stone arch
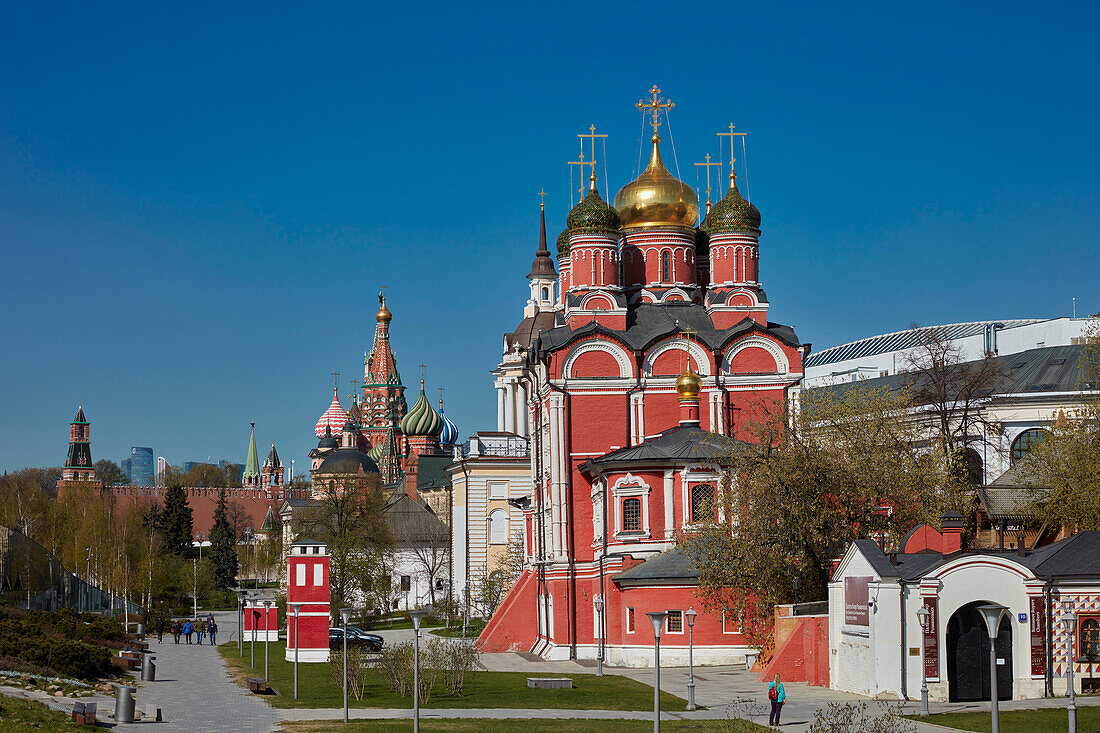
x,y
759,342
623,359
678,291
701,356
743,291
598,297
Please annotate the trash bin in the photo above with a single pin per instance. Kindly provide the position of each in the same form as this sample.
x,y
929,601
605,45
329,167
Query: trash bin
x,y
124,704
148,669
141,631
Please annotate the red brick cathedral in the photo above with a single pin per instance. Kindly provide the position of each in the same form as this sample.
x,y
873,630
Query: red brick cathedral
x,y
643,358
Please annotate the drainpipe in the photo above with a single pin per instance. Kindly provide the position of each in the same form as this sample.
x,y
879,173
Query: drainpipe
x,y
904,649
568,509
1048,645
540,530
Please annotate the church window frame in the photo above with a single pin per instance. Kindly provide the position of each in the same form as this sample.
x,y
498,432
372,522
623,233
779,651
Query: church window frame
x,y
674,621
1088,638
627,488
496,527
702,503
666,266
1023,443
632,514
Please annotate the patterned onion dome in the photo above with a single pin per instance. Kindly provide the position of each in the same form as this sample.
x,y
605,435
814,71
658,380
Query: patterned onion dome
x,y
422,419
563,245
450,430
333,418
732,214
592,215
375,452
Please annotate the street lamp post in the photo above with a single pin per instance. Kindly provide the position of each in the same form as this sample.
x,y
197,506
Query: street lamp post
x,y
252,649
922,614
416,616
691,614
345,613
296,607
1069,620
658,619
599,645
202,538
240,627
267,617
991,614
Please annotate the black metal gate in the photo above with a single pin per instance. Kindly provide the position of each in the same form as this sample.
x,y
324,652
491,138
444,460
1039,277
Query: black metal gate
x,y
968,656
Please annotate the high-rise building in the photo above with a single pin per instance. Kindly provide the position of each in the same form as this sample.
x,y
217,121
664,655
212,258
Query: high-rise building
x,y
139,466
162,468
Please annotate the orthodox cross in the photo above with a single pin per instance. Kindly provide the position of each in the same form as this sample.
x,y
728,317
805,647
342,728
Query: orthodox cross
x,y
708,165
335,381
687,333
422,373
591,140
440,398
542,203
655,106
354,384
582,163
731,135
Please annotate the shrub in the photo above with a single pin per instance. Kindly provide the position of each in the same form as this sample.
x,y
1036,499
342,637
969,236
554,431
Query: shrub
x,y
838,717
357,668
394,663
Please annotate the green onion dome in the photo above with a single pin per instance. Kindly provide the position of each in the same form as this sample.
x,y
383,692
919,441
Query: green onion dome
x,y
422,419
592,215
732,214
563,245
375,452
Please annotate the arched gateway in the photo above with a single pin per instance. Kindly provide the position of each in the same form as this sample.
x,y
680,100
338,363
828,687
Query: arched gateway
x,y
968,656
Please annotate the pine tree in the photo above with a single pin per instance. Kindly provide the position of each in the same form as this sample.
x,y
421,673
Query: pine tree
x,y
176,523
223,553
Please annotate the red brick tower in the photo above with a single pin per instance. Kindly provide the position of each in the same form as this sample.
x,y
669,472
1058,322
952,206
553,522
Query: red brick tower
x,y
383,403
79,468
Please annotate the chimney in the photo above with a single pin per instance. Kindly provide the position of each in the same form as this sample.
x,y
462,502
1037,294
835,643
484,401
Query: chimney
x,y
1001,529
894,559
951,528
1021,546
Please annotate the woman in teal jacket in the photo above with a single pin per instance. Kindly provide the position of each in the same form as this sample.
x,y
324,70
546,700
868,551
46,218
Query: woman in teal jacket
x,y
777,695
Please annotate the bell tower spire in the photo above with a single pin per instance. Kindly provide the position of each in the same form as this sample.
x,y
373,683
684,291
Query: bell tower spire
x,y
543,277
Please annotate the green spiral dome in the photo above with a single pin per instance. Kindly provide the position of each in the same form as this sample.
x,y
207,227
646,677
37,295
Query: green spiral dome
x,y
592,216
422,420
732,214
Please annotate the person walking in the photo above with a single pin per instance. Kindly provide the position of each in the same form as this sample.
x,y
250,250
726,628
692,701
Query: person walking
x,y
200,626
212,627
176,630
160,629
188,629
777,695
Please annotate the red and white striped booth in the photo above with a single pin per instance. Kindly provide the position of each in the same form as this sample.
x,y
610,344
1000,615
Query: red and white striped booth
x,y
307,582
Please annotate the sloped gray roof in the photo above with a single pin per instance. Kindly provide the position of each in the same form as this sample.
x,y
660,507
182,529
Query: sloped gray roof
x,y
412,522
677,445
431,473
673,566
1035,371
907,339
648,322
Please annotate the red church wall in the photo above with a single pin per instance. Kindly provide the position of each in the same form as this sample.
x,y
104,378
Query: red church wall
x,y
514,626
599,422
753,360
672,363
804,655
594,364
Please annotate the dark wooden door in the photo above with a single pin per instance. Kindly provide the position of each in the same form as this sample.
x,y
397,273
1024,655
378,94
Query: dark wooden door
x,y
968,657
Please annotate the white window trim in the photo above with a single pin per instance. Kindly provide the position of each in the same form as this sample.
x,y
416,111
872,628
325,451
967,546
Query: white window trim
x,y
683,622
630,486
631,628
726,624
489,492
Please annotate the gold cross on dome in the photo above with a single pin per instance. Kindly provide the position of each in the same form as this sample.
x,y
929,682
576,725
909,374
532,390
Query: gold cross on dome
x,y
708,165
422,366
687,333
655,106
592,141
336,380
582,163
542,203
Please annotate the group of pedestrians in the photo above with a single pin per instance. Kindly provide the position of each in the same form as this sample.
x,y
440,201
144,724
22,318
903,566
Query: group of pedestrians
x,y
205,628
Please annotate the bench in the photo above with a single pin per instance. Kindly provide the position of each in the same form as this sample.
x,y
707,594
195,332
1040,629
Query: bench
x,y
256,685
550,683
84,713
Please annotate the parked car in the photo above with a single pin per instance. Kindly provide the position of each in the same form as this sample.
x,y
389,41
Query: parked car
x,y
356,637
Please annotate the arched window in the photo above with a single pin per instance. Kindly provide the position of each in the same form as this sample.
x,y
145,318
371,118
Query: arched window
x,y
1089,644
702,503
546,293
632,515
498,527
1025,441
666,266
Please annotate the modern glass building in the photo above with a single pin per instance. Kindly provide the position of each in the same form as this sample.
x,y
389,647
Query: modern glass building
x,y
140,467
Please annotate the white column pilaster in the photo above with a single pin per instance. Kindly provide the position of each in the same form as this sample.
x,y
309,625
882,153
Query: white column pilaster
x,y
669,514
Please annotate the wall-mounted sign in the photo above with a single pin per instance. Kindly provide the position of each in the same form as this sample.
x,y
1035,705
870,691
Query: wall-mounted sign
x,y
856,600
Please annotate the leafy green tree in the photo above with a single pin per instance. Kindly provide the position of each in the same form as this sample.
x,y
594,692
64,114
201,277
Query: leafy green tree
x,y
109,473
176,522
223,551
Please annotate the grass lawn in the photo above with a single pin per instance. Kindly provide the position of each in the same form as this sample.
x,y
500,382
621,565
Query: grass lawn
x,y
26,715
477,725
392,623
482,689
473,630
1052,720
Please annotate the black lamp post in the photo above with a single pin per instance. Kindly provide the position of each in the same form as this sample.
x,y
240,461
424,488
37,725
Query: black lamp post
x,y
658,619
599,641
240,631
267,617
690,613
296,607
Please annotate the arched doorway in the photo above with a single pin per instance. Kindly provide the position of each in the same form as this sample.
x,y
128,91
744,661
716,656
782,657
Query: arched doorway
x,y
968,656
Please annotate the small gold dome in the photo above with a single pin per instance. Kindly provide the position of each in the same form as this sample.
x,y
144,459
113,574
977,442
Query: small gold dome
x,y
688,385
383,315
656,198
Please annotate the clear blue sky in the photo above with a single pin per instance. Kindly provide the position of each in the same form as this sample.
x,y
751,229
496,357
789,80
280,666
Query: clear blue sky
x,y
199,202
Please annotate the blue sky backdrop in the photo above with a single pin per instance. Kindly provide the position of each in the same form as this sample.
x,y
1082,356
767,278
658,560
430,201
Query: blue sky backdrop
x,y
200,201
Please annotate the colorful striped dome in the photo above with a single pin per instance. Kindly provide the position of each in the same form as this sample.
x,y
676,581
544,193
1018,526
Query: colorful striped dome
x,y
333,418
450,430
422,420
375,451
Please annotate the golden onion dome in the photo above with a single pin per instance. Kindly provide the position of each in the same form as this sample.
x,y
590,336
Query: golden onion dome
x,y
688,385
656,198
383,315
